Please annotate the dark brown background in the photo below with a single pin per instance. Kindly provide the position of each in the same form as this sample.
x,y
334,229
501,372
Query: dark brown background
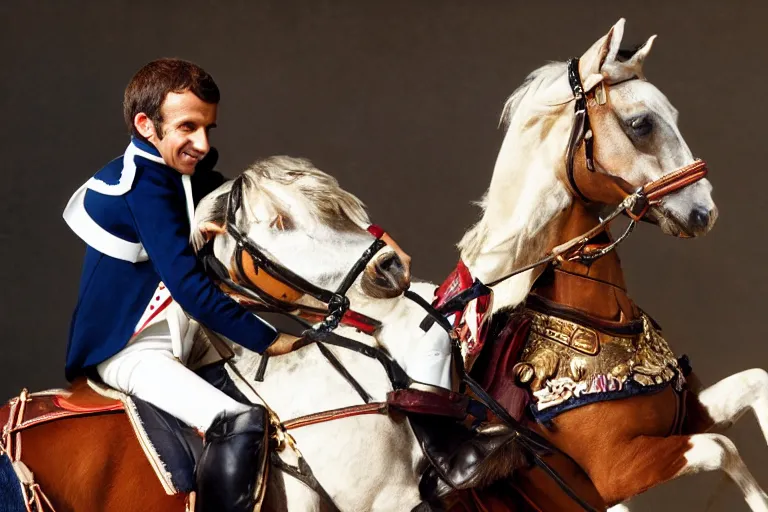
x,y
400,101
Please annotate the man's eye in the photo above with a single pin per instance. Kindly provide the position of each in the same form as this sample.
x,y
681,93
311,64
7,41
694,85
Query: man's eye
x,y
187,127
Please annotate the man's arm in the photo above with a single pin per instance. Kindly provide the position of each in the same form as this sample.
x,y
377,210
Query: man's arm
x,y
162,225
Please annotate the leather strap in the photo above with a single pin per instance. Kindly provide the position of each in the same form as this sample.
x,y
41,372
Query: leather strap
x,y
303,473
336,414
675,180
34,497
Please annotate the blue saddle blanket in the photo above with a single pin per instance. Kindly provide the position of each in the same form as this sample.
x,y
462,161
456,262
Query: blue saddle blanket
x,y
11,499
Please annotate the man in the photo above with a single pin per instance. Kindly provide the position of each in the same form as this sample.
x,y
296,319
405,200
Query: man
x,y
141,279
135,216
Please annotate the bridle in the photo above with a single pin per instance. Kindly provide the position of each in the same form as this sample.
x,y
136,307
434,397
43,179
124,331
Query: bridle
x,y
249,258
581,132
636,202
581,129
257,275
253,269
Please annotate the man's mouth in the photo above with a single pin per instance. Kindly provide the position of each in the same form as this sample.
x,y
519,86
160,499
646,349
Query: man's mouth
x,y
191,157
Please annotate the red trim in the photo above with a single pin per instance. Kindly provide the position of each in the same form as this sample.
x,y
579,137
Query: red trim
x,y
160,308
376,231
360,322
351,318
456,282
66,405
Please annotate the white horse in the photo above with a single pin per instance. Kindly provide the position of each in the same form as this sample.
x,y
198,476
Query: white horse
x,y
301,218
531,207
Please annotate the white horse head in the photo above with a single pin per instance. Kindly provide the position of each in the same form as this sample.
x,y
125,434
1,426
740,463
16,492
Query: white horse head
x,y
636,141
301,218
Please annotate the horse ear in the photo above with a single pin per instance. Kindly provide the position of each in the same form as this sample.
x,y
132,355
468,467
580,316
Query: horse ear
x,y
211,229
600,54
635,64
206,231
282,222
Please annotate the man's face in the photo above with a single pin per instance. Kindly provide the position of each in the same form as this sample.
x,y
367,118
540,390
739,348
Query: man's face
x,y
187,121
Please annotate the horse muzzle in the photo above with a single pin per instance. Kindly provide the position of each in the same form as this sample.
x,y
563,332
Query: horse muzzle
x,y
385,276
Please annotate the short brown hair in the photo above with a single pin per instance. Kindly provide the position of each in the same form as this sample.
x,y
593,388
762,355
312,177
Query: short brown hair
x,y
151,84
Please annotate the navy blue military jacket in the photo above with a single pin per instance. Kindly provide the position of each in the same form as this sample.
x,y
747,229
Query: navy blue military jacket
x,y
135,216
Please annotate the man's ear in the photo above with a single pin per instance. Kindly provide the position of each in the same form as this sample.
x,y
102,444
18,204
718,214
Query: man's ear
x,y
144,125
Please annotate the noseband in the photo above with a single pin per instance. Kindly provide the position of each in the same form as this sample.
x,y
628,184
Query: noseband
x,y
263,275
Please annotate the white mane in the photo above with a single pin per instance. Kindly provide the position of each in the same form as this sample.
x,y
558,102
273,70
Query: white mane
x,y
525,195
289,187
297,213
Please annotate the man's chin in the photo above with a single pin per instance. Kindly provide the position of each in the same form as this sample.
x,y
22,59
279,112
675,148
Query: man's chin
x,y
185,169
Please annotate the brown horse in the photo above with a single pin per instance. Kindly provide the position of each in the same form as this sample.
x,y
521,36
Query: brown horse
x,y
590,369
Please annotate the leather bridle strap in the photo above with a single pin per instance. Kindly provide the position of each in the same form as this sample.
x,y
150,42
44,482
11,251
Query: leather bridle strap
x,y
651,193
336,414
581,129
337,302
303,473
674,181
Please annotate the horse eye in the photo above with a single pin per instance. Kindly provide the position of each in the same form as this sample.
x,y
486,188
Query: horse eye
x,y
641,125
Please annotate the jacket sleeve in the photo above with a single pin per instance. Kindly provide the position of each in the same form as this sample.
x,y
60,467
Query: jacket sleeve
x,y
163,228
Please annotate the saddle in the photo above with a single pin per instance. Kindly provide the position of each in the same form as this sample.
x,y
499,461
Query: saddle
x,y
172,448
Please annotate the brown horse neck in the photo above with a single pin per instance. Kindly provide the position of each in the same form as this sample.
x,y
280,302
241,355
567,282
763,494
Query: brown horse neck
x,y
598,289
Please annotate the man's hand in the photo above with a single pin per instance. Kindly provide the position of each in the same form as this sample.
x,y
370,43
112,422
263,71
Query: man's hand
x,y
282,345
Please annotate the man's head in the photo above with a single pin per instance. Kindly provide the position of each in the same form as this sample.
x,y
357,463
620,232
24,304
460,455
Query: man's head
x,y
172,104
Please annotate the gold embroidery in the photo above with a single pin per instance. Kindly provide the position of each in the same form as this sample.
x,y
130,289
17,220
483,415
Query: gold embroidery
x,y
563,359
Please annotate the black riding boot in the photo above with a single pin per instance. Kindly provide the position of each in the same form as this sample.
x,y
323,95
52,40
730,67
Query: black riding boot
x,y
231,467
462,458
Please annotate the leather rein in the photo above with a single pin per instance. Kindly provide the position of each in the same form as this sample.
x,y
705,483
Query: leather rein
x,y
249,256
257,272
635,205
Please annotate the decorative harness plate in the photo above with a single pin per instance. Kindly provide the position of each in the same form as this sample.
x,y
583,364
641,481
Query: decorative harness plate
x,y
566,364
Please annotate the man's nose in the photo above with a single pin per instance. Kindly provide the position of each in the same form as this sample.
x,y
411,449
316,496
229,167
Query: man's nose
x,y
200,141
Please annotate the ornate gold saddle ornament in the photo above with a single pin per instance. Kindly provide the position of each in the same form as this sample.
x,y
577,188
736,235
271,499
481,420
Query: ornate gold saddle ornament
x,y
564,361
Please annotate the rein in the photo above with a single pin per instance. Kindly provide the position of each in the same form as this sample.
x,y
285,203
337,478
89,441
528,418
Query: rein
x,y
250,259
337,308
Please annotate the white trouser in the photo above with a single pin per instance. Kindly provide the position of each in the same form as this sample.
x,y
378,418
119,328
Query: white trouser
x,y
146,368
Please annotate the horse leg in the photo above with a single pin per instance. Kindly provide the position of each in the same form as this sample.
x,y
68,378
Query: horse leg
x,y
722,404
648,461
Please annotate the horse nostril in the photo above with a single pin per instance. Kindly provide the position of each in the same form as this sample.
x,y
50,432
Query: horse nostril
x,y
390,263
699,218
